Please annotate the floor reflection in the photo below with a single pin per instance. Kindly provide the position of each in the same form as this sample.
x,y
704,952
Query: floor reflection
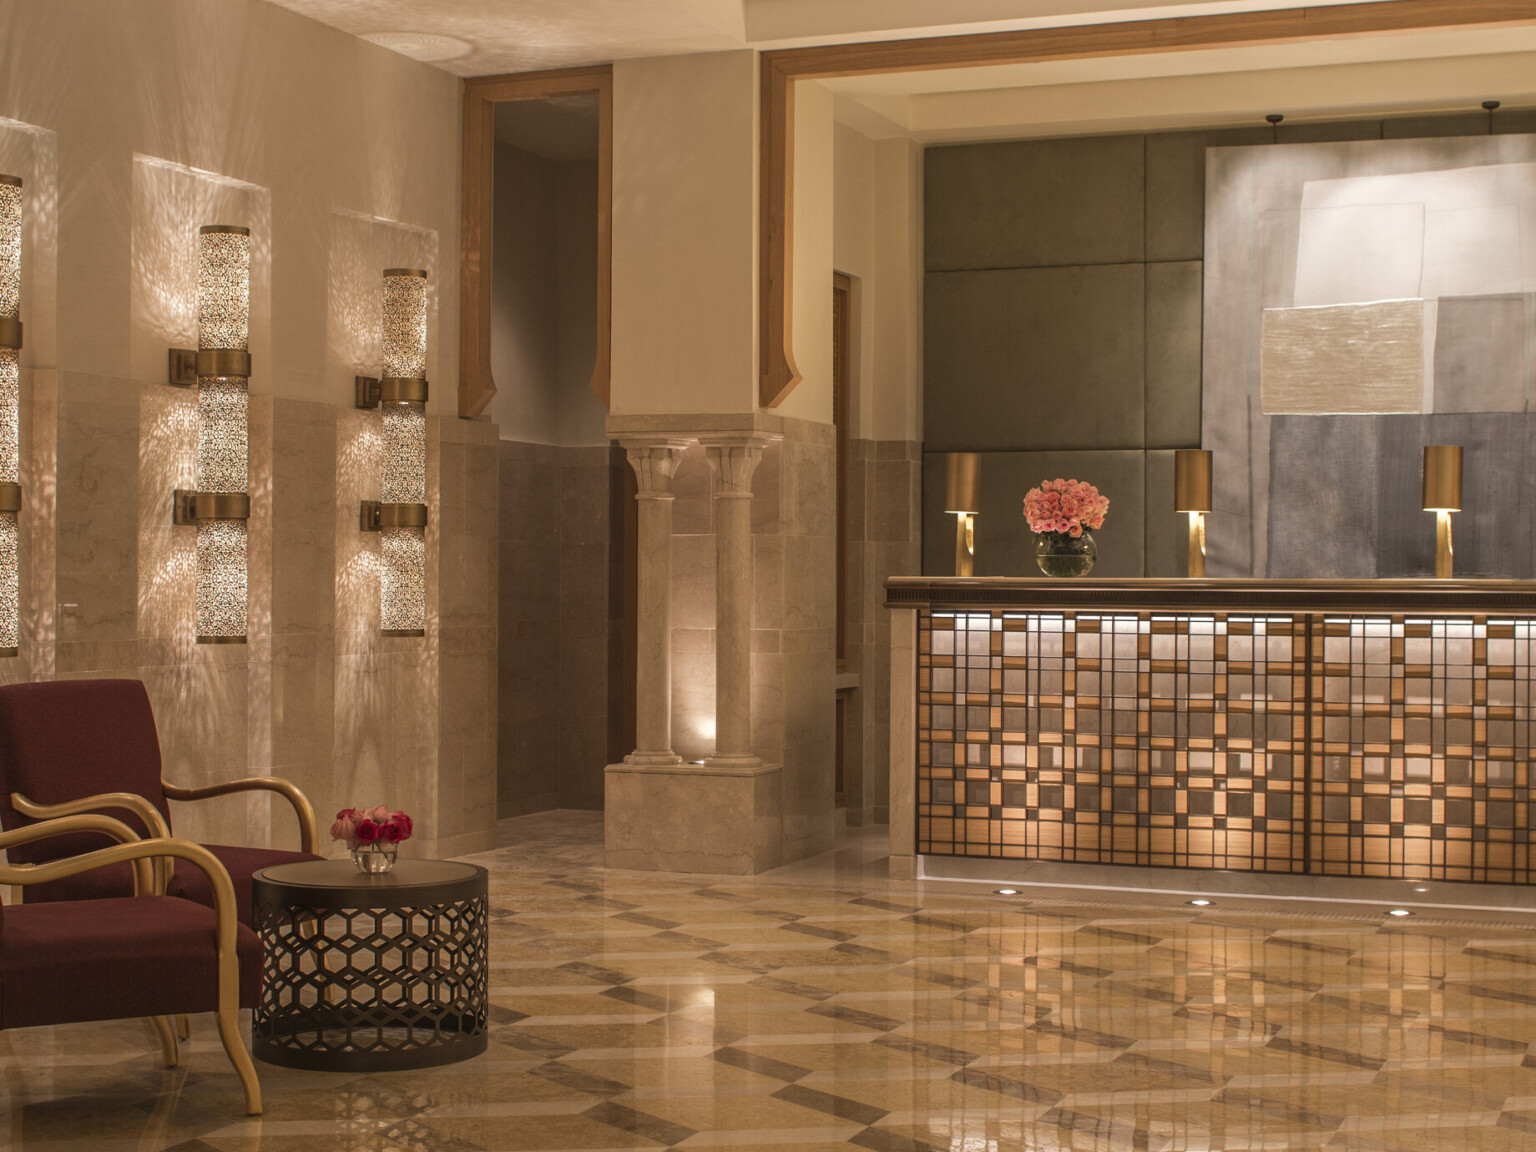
x,y
827,1006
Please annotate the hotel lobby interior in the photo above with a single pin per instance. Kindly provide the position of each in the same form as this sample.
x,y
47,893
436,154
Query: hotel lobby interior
x,y
916,575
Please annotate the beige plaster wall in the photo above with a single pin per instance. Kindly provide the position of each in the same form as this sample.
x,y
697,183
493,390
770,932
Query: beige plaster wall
x,y
684,234
343,158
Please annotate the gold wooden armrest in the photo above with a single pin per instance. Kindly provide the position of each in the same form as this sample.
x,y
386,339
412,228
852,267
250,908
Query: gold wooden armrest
x,y
129,801
143,873
223,906
308,834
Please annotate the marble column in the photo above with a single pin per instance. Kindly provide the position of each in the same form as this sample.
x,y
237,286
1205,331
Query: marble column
x,y
654,462
733,460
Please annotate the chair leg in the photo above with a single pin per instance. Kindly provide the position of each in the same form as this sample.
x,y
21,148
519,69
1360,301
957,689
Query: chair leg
x,y
234,1048
167,1038
184,1026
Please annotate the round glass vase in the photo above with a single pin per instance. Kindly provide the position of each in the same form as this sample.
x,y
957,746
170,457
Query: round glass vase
x,y
376,857
1058,554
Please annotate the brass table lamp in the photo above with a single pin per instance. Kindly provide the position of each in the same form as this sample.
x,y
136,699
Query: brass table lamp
x,y
1192,494
1442,496
962,487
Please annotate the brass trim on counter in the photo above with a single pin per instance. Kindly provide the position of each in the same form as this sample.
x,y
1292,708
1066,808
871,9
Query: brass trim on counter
x,y
1027,594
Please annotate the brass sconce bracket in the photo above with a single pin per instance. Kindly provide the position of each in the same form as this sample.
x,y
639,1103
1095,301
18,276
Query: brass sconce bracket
x,y
10,332
193,507
186,365
10,497
377,515
371,391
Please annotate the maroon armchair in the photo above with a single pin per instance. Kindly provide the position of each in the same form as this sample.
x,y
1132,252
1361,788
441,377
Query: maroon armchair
x,y
75,746
66,962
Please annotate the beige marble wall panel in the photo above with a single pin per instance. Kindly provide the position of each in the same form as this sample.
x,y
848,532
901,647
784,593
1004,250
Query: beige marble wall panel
x,y
39,528
98,518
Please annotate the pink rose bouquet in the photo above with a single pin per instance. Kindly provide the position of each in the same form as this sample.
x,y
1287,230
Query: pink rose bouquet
x,y
358,826
1065,507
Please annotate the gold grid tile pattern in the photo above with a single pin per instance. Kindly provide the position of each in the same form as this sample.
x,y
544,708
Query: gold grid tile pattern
x,y
1362,746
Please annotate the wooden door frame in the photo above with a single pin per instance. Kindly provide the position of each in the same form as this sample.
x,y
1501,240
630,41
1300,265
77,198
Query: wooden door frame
x,y
781,69
481,95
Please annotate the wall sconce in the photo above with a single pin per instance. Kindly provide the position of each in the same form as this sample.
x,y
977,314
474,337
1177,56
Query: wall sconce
x,y
10,414
962,498
400,514
221,368
1192,494
1442,496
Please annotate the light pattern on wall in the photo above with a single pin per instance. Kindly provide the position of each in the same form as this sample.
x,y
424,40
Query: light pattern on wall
x,y
10,414
1183,741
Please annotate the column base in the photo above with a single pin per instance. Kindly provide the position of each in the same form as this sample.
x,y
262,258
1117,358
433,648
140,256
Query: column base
x,y
640,759
725,820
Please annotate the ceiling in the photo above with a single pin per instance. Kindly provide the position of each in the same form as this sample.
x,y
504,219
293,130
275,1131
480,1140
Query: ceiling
x,y
1317,80
487,37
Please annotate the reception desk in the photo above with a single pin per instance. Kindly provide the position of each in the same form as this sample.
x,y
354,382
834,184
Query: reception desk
x,y
1350,728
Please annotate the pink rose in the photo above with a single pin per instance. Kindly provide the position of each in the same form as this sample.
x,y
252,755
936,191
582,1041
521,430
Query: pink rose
x,y
367,831
404,823
378,814
345,825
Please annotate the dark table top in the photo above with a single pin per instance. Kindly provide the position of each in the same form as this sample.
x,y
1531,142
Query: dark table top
x,y
340,881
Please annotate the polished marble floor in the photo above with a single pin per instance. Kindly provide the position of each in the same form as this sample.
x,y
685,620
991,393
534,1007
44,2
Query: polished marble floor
x,y
826,1006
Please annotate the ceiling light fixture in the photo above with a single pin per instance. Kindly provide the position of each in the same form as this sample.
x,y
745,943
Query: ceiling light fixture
x,y
1201,903
428,47
1399,912
1006,892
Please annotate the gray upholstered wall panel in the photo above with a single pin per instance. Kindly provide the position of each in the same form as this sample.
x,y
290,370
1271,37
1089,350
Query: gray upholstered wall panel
x,y
1034,358
1166,531
1176,188
1004,543
1034,203
1173,354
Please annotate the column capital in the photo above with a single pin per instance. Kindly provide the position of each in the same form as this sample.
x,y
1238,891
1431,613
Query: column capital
x,y
654,462
733,458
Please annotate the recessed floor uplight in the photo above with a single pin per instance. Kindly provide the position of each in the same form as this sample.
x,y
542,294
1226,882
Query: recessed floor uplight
x,y
1201,903
1006,892
1399,912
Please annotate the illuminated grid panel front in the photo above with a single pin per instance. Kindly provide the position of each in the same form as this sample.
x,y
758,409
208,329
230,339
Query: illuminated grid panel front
x,y
1128,738
1423,733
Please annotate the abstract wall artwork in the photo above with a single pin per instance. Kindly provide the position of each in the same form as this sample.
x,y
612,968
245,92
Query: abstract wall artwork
x,y
1363,299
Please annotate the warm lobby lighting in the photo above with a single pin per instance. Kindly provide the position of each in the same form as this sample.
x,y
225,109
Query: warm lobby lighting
x,y
1399,912
400,514
10,414
1442,496
1192,495
1201,903
962,488
221,504
1006,892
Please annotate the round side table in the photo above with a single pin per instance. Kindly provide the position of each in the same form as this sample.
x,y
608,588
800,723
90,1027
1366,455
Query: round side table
x,y
367,973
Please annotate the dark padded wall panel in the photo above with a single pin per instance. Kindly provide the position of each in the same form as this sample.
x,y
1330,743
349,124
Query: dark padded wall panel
x,y
1004,543
1167,531
1033,203
1173,321
1035,358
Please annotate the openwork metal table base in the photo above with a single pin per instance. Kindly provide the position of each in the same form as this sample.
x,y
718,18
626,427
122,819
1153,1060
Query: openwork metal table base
x,y
370,973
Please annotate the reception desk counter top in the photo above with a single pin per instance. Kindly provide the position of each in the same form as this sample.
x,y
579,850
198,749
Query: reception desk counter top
x,y
1458,597
1370,728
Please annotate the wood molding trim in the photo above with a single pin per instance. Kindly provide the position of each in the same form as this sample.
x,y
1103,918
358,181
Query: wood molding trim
x,y
481,94
781,69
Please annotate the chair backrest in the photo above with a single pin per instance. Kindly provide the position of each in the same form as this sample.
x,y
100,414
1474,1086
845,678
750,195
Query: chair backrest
x,y
64,739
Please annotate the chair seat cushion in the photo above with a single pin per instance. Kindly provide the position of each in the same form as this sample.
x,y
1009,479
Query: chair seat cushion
x,y
191,883
70,961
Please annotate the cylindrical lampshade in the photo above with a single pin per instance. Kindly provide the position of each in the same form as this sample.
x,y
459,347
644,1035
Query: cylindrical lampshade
x,y
1191,480
962,482
403,590
405,324
223,324
1442,478
10,414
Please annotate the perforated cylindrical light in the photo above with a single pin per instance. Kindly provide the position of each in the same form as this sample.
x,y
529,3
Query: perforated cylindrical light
x,y
403,495
223,372
10,414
